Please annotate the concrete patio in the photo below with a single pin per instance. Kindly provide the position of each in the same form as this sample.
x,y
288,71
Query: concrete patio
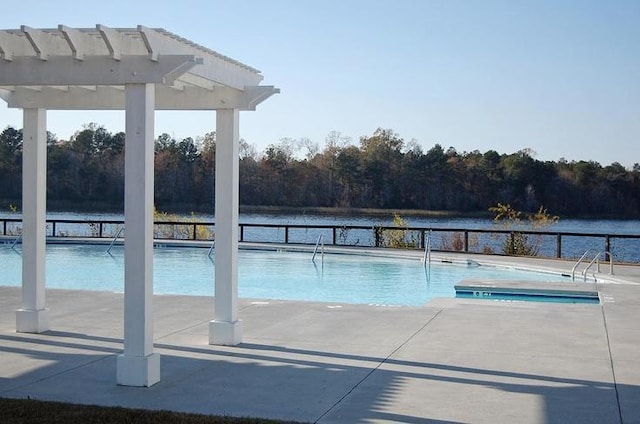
x,y
453,360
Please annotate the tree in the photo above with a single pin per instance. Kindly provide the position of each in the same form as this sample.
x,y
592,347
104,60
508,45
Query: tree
x,y
381,164
11,163
335,143
382,171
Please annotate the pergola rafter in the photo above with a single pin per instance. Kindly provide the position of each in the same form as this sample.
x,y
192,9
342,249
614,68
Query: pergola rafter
x,y
138,70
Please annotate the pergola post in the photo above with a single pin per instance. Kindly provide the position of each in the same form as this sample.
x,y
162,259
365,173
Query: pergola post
x,y
226,329
33,317
138,365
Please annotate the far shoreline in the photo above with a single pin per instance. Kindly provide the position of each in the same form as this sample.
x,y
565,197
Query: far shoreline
x,y
183,209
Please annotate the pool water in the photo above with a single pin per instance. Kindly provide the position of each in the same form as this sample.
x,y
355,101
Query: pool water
x,y
338,278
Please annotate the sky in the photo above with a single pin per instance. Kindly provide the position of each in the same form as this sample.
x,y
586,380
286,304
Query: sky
x,y
559,77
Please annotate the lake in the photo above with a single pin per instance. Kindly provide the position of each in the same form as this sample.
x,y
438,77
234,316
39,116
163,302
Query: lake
x,y
600,226
627,250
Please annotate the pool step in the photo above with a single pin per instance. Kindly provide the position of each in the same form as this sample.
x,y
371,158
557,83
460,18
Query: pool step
x,y
495,289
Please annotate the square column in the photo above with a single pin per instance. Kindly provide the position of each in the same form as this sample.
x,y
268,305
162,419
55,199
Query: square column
x,y
226,329
33,317
138,365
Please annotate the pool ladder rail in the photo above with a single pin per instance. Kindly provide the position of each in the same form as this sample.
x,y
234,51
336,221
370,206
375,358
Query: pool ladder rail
x,y
319,244
108,252
595,260
13,245
426,259
210,252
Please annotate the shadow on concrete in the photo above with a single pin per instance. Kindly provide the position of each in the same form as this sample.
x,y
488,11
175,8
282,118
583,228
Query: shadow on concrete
x,y
298,384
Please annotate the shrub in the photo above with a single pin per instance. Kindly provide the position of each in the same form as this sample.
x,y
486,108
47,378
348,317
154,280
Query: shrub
x,y
179,230
401,237
518,243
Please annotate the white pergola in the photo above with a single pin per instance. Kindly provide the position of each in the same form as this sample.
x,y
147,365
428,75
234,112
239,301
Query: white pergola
x,y
138,70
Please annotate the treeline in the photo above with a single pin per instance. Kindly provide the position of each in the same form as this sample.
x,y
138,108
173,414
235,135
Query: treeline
x,y
382,171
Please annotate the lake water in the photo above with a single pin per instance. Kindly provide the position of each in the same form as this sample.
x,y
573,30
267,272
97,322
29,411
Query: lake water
x,y
600,226
627,250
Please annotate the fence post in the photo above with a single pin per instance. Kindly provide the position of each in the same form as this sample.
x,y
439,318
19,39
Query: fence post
x,y
286,234
333,236
376,235
195,237
422,239
512,242
466,240
558,245
607,247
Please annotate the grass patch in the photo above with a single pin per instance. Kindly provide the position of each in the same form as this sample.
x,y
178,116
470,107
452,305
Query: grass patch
x,y
29,411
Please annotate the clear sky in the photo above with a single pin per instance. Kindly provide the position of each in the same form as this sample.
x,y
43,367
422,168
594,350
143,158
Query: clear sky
x,y
560,77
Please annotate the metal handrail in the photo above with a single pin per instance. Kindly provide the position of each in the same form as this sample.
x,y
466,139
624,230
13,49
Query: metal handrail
x,y
213,245
13,245
427,250
597,261
6,224
108,252
315,249
573,270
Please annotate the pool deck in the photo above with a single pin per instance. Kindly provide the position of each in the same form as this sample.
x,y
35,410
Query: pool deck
x,y
450,361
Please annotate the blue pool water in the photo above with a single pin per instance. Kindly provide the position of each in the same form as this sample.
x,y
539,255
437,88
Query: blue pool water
x,y
264,274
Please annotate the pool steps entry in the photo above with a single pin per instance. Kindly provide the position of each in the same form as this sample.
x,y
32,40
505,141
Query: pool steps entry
x,y
596,260
527,290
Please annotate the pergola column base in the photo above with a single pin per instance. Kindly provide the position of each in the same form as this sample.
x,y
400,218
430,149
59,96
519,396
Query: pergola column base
x,y
225,333
138,371
32,320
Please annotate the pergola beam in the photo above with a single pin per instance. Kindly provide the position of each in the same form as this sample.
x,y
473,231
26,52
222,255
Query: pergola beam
x,y
11,45
113,98
38,40
95,70
151,42
78,42
113,41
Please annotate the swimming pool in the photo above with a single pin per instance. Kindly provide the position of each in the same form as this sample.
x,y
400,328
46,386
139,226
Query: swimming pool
x,y
284,275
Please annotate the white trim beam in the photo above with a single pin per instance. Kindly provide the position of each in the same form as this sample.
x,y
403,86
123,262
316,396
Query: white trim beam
x,y
94,70
113,41
39,41
78,42
216,67
11,45
113,98
254,95
151,42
